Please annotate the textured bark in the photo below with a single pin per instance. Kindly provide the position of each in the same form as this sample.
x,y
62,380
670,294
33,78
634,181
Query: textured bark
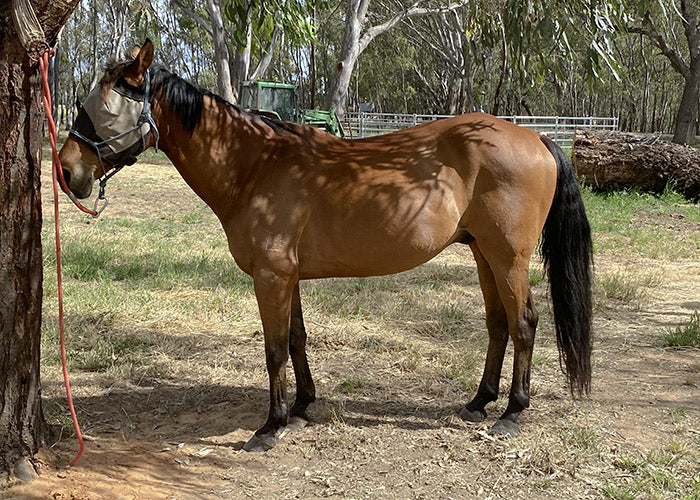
x,y
356,39
223,73
21,419
613,160
687,65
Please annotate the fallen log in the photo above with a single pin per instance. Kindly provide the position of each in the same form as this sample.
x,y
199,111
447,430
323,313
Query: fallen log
x,y
609,160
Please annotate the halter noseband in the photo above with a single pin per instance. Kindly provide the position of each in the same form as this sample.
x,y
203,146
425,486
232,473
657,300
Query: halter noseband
x,y
125,157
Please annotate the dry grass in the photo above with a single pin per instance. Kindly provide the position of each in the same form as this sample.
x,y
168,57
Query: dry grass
x,y
165,346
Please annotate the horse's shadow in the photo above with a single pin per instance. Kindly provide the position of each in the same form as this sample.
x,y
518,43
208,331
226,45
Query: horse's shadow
x,y
173,411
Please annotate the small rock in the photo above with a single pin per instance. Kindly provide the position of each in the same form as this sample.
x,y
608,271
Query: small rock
x,y
25,471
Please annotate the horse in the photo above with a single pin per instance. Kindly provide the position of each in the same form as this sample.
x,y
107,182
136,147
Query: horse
x,y
298,203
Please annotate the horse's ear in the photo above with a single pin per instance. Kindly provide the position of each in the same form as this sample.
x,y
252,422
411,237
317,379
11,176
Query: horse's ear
x,y
143,57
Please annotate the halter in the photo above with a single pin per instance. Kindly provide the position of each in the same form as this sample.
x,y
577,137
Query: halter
x,y
125,157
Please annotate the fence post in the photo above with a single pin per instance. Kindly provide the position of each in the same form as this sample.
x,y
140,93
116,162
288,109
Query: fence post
x,y
362,124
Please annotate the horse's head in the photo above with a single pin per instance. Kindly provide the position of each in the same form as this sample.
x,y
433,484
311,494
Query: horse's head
x,y
113,125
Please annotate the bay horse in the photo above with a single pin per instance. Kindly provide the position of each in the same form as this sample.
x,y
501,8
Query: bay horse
x,y
298,203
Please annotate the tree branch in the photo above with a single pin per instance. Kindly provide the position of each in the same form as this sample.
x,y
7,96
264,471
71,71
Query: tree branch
x,y
649,30
206,26
413,11
266,58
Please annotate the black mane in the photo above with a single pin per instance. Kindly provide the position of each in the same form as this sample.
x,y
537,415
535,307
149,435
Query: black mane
x,y
187,100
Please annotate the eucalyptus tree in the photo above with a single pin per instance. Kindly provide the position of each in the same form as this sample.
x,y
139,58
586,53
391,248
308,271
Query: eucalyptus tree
x,y
673,27
447,37
22,424
363,26
258,28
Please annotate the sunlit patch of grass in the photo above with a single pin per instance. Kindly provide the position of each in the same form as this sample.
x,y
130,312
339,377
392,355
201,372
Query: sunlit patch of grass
x,y
350,385
677,414
462,369
539,359
535,277
446,320
619,492
584,439
613,215
656,474
628,288
685,335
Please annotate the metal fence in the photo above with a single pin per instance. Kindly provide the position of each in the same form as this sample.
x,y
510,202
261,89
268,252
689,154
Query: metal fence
x,y
559,128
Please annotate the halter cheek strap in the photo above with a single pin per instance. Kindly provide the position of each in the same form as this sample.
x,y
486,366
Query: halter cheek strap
x,y
123,159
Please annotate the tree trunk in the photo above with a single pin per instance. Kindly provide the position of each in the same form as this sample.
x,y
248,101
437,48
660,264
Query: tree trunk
x,y
355,42
56,85
241,65
223,72
349,52
614,160
21,421
684,128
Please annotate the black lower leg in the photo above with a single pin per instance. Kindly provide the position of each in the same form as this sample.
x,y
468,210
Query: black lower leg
x,y
519,397
488,388
306,391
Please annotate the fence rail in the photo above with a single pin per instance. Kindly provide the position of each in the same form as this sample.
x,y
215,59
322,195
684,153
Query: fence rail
x,y
559,128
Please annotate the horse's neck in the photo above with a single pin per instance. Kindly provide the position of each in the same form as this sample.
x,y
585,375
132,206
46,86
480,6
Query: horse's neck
x,y
212,157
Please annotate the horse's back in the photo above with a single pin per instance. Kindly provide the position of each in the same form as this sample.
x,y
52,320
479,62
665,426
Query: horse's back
x,y
388,203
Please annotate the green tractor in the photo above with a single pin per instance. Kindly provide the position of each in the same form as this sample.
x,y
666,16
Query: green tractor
x,y
279,101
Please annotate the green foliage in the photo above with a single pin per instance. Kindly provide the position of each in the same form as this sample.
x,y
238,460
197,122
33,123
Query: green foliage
x,y
263,16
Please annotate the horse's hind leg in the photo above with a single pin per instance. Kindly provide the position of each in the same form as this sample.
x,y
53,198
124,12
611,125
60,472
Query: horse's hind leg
x,y
497,326
306,392
514,289
503,271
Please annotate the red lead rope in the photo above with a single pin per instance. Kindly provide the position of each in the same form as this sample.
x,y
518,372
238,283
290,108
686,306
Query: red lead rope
x,y
57,173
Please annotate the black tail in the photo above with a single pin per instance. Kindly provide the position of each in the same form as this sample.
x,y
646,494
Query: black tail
x,y
567,253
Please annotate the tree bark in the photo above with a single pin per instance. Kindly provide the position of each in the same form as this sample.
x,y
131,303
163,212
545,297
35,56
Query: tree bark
x,y
617,160
223,72
684,128
688,68
355,42
21,421
241,64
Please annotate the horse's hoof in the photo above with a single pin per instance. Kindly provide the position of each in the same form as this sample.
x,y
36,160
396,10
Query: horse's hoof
x,y
258,444
294,424
472,416
505,428
264,442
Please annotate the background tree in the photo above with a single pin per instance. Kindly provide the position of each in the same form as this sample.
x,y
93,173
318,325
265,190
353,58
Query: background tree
x,y
660,23
21,421
357,36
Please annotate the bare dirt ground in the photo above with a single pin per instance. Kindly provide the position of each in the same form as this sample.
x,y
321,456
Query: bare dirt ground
x,y
385,424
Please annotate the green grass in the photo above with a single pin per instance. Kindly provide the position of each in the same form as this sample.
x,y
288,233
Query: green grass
x,y
685,335
463,369
641,223
535,276
350,385
627,287
658,473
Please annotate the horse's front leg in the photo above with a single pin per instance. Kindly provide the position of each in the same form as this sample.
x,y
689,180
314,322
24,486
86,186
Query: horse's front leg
x,y
273,290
